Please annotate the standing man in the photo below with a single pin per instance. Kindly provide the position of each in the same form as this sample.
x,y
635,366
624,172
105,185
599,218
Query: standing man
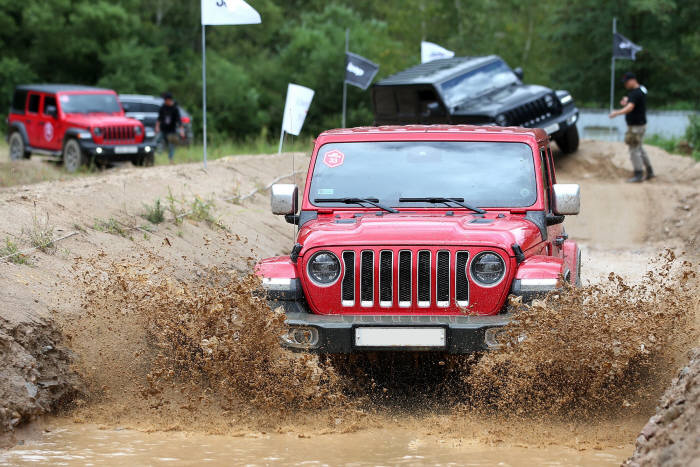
x,y
169,124
634,108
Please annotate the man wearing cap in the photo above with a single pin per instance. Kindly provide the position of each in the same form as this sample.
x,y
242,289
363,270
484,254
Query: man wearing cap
x,y
634,108
169,124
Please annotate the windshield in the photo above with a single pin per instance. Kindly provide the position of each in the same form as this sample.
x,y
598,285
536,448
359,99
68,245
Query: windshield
x,y
484,174
90,103
470,85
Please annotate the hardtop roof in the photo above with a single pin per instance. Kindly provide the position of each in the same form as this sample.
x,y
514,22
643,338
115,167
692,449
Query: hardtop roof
x,y
54,88
436,71
538,133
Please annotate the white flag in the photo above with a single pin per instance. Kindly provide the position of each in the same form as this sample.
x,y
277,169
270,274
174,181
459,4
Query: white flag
x,y
221,12
295,109
430,52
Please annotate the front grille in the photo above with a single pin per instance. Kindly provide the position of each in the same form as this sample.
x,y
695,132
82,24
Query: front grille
x,y
405,279
119,133
533,113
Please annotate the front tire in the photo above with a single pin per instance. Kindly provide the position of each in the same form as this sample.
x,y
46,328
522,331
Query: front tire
x,y
568,142
73,156
18,149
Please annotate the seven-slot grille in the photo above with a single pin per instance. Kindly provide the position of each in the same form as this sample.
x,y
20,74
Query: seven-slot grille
x,y
532,113
407,278
119,133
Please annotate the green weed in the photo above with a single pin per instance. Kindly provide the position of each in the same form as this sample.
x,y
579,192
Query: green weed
x,y
111,226
155,214
11,251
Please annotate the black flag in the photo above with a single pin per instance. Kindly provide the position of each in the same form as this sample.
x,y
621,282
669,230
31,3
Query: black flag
x,y
623,47
359,71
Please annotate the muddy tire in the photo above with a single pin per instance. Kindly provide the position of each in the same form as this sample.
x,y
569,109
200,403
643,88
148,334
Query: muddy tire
x,y
18,149
568,142
73,156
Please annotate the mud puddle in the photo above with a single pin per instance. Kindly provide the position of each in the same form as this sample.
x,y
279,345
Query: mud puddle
x,y
68,444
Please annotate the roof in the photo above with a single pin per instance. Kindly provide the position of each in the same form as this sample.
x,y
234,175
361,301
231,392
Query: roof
x,y
141,98
53,88
435,71
538,133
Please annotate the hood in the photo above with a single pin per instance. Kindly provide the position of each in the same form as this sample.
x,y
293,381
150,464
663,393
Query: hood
x,y
97,120
417,228
501,100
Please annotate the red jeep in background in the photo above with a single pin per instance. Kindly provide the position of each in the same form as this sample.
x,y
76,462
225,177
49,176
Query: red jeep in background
x,y
412,238
75,123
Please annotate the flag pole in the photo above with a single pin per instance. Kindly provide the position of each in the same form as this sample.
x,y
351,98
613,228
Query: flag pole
x,y
279,149
345,84
204,92
612,72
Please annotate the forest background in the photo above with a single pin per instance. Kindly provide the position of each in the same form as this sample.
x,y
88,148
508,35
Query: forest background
x,y
149,46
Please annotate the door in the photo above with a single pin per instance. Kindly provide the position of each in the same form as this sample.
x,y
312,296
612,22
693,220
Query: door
x,y
51,124
32,120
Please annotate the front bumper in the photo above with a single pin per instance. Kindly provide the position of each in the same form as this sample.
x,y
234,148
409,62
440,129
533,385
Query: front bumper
x,y
117,152
558,126
336,333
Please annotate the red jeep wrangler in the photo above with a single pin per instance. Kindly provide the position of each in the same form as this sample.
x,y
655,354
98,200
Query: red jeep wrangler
x,y
75,123
412,238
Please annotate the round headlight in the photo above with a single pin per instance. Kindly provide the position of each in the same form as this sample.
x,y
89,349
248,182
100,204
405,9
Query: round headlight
x,y
501,120
549,100
137,130
323,268
488,268
97,131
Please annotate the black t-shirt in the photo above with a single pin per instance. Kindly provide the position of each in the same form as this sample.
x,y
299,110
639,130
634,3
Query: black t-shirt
x,y
638,116
169,118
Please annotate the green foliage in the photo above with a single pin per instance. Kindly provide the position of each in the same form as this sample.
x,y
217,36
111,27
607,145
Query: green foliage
x,y
111,226
692,135
12,254
689,145
40,234
155,214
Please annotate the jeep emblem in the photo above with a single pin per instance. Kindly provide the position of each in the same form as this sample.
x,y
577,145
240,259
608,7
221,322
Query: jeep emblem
x,y
333,158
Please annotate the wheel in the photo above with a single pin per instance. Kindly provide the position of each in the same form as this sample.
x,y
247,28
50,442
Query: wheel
x,y
73,156
148,160
568,142
17,147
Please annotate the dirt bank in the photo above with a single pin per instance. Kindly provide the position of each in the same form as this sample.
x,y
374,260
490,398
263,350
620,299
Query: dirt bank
x,y
117,253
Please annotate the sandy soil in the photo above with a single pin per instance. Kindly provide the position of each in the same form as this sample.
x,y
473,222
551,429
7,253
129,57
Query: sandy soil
x,y
620,228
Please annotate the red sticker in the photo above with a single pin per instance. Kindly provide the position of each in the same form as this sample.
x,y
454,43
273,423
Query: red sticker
x,y
333,158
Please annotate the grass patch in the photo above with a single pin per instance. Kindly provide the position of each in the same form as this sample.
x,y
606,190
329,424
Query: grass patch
x,y
40,234
673,145
155,214
201,211
12,252
111,226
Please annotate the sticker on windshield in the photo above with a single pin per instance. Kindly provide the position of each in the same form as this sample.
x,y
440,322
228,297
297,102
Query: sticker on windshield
x,y
524,192
333,158
326,191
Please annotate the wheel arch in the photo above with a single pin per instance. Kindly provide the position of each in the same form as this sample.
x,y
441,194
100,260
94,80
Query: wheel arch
x,y
20,128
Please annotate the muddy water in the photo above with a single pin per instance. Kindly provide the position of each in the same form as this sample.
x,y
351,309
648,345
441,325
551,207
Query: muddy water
x,y
70,444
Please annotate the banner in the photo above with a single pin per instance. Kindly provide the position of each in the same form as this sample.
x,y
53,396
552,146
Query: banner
x,y
295,108
430,52
624,48
222,12
359,71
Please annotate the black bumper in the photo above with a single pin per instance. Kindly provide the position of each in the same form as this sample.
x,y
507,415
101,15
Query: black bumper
x,y
558,126
115,152
336,333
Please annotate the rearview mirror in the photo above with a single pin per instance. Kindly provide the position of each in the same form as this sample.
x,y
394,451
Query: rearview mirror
x,y
52,111
284,198
567,199
519,73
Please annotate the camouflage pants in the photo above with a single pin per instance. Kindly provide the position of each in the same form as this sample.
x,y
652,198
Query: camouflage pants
x,y
634,138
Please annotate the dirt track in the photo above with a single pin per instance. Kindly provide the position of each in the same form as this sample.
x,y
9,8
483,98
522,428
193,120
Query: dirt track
x,y
621,227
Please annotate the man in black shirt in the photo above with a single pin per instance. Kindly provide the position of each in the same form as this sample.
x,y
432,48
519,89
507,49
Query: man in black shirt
x,y
169,124
634,108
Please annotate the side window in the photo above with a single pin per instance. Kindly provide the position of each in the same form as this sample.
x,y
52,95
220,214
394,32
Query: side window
x,y
33,106
49,101
19,101
545,177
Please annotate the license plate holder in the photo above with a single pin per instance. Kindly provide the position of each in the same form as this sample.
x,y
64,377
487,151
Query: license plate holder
x,y
397,337
126,149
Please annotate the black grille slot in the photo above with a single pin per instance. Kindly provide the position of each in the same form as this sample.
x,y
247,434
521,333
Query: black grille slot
x,y
385,278
404,278
423,278
461,281
348,284
442,292
367,279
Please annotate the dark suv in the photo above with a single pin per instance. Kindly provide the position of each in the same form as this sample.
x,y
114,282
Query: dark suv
x,y
145,109
76,124
478,91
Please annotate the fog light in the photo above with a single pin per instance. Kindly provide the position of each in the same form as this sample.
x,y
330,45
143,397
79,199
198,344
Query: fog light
x,y
98,150
301,337
494,338
571,120
147,149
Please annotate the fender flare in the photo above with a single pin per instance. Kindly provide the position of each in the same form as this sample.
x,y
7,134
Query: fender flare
x,y
572,259
19,127
72,132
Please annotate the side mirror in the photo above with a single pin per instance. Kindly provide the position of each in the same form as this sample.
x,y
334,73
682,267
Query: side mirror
x,y
567,199
52,111
519,73
284,198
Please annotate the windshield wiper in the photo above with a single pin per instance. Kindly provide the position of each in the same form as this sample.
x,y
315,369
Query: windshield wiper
x,y
441,199
372,201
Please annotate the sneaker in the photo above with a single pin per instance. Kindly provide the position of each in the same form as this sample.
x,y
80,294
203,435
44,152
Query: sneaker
x,y
637,177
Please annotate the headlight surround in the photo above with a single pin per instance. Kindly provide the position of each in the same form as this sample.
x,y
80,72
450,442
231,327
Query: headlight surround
x,y
97,131
549,101
501,120
137,130
488,268
323,268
